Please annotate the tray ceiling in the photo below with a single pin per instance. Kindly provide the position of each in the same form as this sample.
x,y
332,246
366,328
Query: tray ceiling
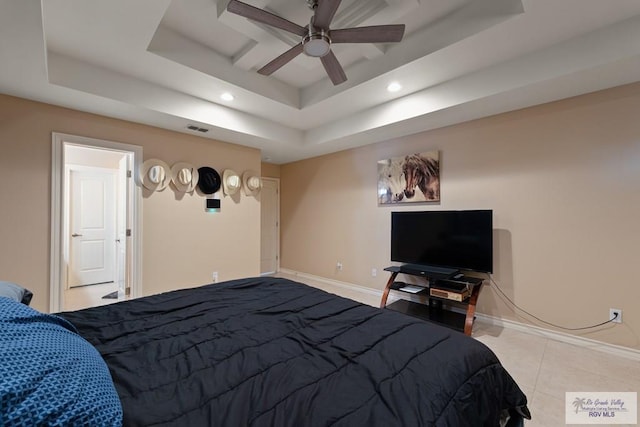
x,y
167,62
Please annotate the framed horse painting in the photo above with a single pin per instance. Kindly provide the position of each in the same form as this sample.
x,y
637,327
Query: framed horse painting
x,y
409,179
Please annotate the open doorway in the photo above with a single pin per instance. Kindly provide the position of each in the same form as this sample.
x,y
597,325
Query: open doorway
x,y
95,223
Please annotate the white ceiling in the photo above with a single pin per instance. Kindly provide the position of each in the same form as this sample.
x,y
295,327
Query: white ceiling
x,y
166,62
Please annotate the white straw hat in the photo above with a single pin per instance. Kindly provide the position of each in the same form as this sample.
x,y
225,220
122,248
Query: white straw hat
x,y
185,177
231,182
251,183
155,175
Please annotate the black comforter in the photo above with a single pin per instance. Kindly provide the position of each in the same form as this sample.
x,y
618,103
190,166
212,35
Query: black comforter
x,y
272,352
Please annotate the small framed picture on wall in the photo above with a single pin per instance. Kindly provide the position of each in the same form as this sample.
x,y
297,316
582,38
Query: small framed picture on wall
x,y
409,179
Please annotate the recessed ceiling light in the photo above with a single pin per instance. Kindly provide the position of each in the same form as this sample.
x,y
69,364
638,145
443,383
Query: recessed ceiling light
x,y
394,87
226,96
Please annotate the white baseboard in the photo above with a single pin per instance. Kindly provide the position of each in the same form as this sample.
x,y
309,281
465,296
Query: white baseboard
x,y
600,346
339,284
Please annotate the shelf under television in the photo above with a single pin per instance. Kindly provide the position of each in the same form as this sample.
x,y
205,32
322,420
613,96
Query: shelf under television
x,y
434,309
440,316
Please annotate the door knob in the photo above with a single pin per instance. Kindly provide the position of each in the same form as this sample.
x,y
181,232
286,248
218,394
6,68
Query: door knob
x,y
76,235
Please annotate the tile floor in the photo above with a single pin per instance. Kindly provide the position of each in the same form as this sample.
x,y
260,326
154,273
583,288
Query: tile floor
x,y
88,296
543,368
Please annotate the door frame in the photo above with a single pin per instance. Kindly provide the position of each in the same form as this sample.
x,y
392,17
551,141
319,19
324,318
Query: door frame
x,y
123,220
277,182
56,266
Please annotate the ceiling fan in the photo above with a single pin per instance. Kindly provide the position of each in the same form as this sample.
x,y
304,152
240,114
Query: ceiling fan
x,y
317,36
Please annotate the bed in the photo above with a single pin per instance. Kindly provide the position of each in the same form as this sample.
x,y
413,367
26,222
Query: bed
x,y
274,352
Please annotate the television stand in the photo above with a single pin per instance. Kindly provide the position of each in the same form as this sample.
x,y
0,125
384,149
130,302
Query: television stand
x,y
436,309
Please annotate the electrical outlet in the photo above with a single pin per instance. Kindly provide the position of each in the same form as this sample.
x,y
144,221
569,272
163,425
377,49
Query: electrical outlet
x,y
374,272
339,266
214,276
612,315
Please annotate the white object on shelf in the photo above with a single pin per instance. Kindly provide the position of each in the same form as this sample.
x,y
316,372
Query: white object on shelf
x,y
412,289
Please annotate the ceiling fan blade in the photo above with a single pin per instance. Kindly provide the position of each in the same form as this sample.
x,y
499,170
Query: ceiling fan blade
x,y
333,68
281,60
373,34
260,15
324,13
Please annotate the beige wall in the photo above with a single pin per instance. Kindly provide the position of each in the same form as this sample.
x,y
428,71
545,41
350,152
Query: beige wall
x,y
182,245
270,170
563,180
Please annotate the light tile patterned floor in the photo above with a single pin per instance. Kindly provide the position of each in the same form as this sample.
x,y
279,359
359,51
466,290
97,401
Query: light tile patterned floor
x,y
543,368
88,296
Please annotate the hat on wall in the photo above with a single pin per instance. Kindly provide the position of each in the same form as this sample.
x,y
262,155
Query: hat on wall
x,y
231,182
155,175
251,183
208,180
184,177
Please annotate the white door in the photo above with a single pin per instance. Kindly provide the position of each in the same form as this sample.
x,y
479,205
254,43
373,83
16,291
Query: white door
x,y
92,226
270,226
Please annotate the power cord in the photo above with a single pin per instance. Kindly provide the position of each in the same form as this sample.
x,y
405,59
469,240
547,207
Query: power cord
x,y
615,316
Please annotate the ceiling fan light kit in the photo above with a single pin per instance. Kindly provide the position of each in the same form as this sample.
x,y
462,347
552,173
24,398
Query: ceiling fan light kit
x,y
316,45
317,37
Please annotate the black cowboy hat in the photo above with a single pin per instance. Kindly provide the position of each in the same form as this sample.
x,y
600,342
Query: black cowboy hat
x,y
209,180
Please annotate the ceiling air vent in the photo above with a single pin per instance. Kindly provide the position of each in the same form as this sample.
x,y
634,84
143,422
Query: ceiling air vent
x,y
198,129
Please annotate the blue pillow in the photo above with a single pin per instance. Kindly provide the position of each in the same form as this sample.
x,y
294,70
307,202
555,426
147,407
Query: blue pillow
x,y
50,375
15,292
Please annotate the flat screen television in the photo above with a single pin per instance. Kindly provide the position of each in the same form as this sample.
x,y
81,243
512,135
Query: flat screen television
x,y
456,240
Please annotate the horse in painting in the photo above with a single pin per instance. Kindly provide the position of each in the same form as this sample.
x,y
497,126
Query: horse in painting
x,y
423,173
